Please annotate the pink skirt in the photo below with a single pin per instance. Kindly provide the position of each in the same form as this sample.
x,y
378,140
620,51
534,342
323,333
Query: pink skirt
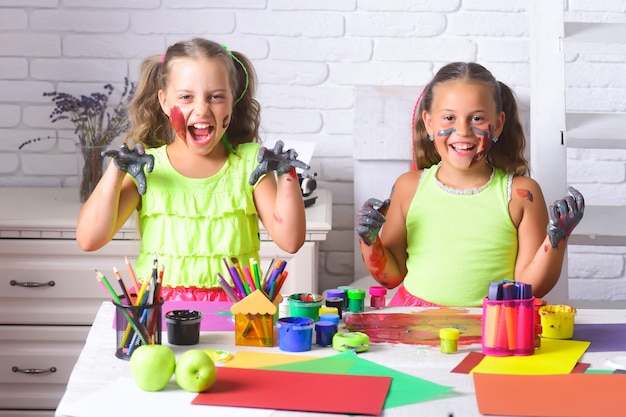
x,y
193,294
403,298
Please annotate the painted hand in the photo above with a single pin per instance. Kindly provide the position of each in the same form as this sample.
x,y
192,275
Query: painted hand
x,y
276,160
133,162
565,214
370,219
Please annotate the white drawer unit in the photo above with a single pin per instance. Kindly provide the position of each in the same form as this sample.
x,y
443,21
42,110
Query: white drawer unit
x,y
49,296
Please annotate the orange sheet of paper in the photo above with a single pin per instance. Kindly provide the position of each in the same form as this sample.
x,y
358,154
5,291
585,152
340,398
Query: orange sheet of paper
x,y
285,390
553,357
571,395
249,359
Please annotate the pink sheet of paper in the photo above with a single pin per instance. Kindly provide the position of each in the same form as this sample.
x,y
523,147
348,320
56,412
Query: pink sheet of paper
x,y
571,395
216,315
285,390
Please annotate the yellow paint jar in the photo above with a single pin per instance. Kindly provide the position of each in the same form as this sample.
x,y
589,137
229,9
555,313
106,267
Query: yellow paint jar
x,y
449,337
557,321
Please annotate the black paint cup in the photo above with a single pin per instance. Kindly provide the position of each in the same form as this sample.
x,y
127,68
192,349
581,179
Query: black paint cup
x,y
183,327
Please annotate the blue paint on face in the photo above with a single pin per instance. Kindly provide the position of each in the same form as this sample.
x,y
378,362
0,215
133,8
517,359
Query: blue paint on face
x,y
446,132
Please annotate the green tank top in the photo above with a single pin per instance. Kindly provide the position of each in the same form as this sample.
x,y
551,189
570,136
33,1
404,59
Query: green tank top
x,y
191,224
458,243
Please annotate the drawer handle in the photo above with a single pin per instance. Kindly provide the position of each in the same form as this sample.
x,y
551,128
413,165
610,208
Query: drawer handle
x,y
33,371
31,284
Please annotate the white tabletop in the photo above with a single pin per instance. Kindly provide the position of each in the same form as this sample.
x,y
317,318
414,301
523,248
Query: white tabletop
x,y
97,368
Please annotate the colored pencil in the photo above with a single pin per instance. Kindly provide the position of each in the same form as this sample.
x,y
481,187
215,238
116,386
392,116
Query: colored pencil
x,y
120,282
257,273
131,321
230,292
133,277
251,284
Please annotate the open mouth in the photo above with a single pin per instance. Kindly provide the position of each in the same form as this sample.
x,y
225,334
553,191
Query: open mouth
x,y
462,147
201,132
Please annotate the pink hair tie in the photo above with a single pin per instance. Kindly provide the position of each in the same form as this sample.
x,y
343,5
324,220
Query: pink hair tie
x,y
162,58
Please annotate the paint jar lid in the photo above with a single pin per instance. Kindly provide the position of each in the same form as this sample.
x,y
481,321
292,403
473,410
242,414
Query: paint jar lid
x,y
325,325
330,317
356,294
335,293
449,333
377,290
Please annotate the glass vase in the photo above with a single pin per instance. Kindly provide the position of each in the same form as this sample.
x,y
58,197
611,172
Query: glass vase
x,y
90,169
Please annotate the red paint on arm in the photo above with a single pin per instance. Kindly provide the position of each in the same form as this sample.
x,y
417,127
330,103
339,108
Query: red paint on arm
x,y
525,194
377,261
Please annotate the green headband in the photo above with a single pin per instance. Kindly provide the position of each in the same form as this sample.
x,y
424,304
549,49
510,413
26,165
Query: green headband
x,y
245,70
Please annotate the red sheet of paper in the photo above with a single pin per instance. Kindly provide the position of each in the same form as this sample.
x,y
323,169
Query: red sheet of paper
x,y
284,390
563,395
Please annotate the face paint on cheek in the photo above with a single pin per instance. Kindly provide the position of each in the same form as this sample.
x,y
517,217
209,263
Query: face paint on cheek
x,y
446,132
525,194
177,119
485,143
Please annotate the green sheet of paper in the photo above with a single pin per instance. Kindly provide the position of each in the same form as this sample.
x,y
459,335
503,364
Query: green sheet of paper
x,y
405,389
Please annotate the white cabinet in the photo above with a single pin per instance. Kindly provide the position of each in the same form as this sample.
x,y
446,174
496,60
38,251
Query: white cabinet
x,y
554,129
49,296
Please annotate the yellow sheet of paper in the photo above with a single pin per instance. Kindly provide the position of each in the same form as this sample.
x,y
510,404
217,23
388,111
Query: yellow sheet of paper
x,y
253,360
553,357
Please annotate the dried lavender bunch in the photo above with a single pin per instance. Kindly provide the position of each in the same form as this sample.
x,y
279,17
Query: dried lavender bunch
x,y
95,123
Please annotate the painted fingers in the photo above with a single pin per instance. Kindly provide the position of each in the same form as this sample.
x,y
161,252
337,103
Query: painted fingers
x,y
370,219
276,159
565,214
133,162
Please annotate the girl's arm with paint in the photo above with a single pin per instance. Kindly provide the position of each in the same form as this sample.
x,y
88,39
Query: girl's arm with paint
x,y
384,255
107,209
278,198
539,263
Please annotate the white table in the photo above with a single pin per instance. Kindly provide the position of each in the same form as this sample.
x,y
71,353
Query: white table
x,y
97,367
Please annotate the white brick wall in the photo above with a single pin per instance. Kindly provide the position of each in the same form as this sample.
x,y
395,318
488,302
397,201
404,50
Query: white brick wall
x,y
310,56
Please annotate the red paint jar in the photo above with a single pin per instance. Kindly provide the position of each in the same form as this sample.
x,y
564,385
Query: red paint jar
x,y
378,297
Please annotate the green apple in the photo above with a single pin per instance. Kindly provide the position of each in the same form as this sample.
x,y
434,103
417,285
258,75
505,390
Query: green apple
x,y
195,371
152,366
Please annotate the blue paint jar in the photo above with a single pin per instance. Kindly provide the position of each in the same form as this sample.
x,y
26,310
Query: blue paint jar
x,y
295,334
324,332
334,318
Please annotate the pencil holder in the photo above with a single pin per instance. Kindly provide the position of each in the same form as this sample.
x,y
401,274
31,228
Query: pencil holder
x,y
254,320
136,326
183,327
508,327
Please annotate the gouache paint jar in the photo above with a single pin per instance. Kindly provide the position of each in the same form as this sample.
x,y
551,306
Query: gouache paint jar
x,y
557,321
356,300
324,332
449,337
295,334
305,305
378,297
183,327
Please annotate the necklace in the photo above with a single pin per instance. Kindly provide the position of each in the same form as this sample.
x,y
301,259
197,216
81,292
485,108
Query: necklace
x,y
462,191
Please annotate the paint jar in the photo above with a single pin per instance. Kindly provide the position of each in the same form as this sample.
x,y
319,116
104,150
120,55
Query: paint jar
x,y
449,337
183,327
334,318
557,321
345,289
336,302
334,293
324,332
305,305
538,329
295,334
378,297
328,310
356,298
